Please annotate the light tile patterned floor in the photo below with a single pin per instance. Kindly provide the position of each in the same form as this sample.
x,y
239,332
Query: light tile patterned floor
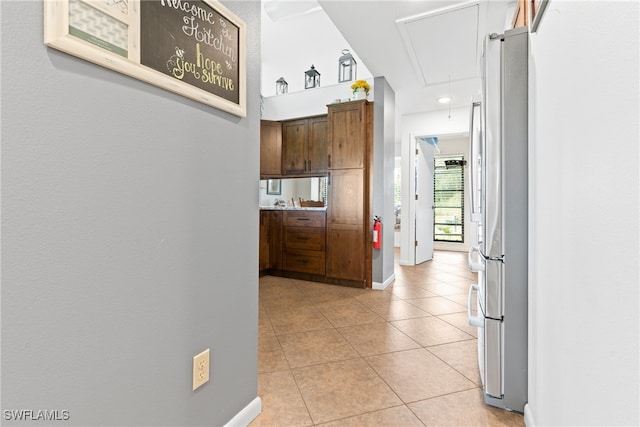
x,y
406,356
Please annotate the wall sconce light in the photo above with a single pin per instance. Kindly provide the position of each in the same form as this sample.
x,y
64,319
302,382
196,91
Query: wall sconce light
x,y
282,86
347,67
311,78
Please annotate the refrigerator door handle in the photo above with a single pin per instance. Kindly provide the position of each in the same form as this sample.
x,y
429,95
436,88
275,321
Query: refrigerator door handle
x,y
475,210
475,266
473,320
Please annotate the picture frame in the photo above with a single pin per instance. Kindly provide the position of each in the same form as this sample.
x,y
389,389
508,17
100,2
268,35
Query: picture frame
x,y
197,51
274,187
536,11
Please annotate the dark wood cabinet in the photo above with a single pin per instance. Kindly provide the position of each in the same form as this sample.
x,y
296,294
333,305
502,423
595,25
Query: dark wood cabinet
x,y
318,146
270,148
304,146
348,252
263,259
270,244
347,135
304,242
333,246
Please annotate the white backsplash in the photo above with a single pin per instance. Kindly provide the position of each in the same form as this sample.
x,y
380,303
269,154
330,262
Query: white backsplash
x,y
292,188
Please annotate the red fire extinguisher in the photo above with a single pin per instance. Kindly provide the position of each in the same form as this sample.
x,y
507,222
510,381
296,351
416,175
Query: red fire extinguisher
x,y
377,233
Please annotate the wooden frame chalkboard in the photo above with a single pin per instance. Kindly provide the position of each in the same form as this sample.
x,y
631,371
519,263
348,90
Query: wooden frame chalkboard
x,y
196,48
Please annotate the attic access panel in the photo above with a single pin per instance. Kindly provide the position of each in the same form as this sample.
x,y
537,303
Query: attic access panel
x,y
443,45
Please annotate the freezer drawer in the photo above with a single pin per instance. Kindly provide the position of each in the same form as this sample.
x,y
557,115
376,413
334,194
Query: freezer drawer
x,y
493,358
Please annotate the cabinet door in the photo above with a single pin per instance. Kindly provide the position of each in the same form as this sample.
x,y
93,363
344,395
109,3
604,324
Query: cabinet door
x,y
346,198
275,240
318,146
294,147
346,247
347,135
270,148
264,260
345,257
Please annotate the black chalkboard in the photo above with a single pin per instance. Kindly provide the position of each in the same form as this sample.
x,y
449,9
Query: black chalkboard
x,y
192,42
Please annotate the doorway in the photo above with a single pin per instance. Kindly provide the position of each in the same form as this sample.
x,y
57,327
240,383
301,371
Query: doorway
x,y
418,173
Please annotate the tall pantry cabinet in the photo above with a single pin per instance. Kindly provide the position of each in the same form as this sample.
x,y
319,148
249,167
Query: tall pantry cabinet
x,y
350,139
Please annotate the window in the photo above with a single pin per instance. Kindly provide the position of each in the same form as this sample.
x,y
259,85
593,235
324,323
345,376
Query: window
x,y
448,199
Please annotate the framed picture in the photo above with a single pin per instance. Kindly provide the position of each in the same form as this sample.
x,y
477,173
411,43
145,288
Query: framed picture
x,y
274,187
537,8
196,49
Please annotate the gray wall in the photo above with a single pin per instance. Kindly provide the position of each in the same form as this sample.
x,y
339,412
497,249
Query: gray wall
x,y
383,180
129,239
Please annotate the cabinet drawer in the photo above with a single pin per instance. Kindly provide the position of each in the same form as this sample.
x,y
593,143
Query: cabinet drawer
x,y
304,219
304,261
308,238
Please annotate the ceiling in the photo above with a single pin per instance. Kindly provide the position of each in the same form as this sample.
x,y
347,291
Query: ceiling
x,y
425,49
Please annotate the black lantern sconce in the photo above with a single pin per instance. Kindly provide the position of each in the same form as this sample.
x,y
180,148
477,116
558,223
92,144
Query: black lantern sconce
x,y
282,86
347,67
311,78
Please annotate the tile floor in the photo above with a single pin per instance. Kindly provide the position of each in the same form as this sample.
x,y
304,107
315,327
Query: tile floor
x,y
405,356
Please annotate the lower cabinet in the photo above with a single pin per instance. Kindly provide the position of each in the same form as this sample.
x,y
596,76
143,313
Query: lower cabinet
x,y
304,261
346,234
304,242
345,259
270,240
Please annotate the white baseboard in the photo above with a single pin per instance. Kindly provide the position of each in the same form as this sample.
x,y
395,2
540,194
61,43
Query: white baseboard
x,y
244,417
404,262
382,286
528,416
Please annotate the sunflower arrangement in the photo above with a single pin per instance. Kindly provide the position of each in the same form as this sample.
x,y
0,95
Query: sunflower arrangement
x,y
361,84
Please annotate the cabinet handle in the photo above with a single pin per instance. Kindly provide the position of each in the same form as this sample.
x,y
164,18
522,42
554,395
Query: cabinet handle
x,y
309,164
329,161
305,165
303,219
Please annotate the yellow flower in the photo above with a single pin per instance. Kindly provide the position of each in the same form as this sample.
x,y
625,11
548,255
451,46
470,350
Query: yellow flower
x,y
361,84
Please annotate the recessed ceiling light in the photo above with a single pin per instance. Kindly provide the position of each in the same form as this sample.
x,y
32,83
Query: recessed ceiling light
x,y
444,99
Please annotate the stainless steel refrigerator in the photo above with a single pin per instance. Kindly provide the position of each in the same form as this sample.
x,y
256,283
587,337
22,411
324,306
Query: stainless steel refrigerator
x,y
499,199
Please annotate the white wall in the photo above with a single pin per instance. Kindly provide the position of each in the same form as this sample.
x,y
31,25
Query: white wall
x,y
310,102
293,43
584,210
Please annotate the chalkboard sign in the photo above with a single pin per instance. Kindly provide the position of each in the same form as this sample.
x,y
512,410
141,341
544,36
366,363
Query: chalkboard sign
x,y
191,42
192,47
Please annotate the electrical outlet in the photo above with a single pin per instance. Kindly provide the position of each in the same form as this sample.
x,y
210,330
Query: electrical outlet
x,y
200,369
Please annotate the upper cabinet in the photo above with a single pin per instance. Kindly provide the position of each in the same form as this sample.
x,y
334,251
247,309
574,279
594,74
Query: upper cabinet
x,y
347,135
304,146
270,148
318,146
